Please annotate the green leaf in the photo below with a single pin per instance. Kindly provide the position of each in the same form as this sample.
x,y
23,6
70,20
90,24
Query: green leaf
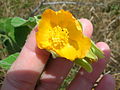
x,y
17,21
9,29
2,25
31,19
97,51
31,22
21,35
15,31
5,25
83,63
8,26
7,62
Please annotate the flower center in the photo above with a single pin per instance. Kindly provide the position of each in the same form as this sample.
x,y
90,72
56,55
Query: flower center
x,y
58,37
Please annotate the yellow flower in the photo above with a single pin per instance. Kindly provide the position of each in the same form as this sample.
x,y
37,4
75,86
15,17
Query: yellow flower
x,y
62,33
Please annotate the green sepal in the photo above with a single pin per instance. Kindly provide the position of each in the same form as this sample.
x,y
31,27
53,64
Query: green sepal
x,y
96,50
37,18
85,64
80,24
91,55
54,55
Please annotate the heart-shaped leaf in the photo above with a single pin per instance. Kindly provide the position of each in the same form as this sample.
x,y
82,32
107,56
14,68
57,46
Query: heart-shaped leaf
x,y
17,21
7,62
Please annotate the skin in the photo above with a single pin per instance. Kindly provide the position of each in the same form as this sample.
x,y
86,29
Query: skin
x,y
30,71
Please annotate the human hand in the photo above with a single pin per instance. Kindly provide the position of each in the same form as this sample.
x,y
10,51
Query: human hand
x,y
28,72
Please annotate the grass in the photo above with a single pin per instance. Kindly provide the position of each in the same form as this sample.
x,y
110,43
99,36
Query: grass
x,y
105,18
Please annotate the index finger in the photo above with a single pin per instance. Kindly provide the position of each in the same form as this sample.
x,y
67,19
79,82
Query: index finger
x,y
26,69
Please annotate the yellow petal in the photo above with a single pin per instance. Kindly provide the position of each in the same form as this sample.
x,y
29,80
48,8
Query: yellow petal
x,y
61,32
68,52
84,46
42,34
50,17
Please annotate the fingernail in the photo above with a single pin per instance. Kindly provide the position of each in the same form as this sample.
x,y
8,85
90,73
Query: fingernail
x,y
105,48
87,27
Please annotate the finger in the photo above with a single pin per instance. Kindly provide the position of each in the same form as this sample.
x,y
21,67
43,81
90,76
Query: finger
x,y
26,69
85,80
106,83
87,27
55,72
57,69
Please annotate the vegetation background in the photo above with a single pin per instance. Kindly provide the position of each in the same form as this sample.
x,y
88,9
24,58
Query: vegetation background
x,y
104,14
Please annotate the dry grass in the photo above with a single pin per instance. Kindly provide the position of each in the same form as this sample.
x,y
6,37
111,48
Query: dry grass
x,y
106,21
